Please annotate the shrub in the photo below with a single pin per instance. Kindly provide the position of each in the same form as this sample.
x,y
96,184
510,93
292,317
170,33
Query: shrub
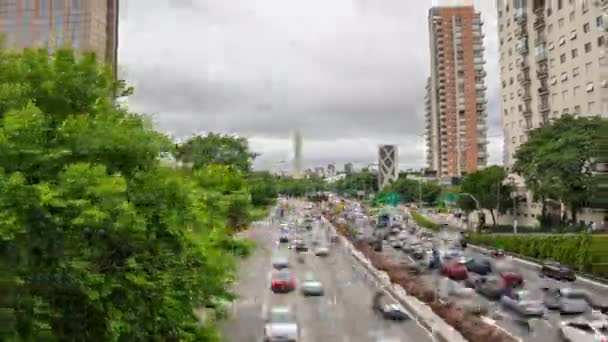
x,y
423,221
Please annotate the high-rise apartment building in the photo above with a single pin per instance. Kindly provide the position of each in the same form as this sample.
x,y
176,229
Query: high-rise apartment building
x,y
85,25
455,102
553,61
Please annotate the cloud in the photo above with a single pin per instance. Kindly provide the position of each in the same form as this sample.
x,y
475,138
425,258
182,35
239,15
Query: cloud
x,y
350,74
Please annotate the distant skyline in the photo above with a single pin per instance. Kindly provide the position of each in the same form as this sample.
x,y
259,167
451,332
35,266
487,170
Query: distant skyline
x,y
348,74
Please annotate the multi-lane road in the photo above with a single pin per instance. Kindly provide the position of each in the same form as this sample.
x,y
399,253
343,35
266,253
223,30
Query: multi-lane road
x,y
534,330
343,314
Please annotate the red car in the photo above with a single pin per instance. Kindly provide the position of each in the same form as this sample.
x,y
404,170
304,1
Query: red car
x,y
512,278
283,281
454,269
497,253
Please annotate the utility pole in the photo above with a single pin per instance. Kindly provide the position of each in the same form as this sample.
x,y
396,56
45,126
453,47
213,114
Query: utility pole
x,y
514,197
420,193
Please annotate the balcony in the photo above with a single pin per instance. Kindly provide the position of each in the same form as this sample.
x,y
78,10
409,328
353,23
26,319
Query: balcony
x,y
523,78
540,40
527,112
520,16
524,64
480,87
521,32
543,91
522,46
541,53
539,22
542,73
527,96
481,100
478,67
543,107
479,60
478,47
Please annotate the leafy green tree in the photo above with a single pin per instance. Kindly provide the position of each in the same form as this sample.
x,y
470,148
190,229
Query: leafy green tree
x,y
98,241
489,188
359,181
217,149
556,161
263,188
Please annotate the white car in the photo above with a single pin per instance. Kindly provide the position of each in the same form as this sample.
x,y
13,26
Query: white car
x,y
584,330
281,326
322,251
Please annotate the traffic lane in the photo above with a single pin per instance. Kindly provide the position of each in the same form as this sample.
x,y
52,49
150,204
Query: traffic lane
x,y
246,317
539,330
345,313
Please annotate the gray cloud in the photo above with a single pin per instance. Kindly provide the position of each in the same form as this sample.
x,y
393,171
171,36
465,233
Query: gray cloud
x,y
345,72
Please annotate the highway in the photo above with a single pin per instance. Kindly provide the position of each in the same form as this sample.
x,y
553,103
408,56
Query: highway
x,y
541,330
343,314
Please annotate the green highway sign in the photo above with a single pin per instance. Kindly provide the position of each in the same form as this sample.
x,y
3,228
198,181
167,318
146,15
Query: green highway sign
x,y
392,198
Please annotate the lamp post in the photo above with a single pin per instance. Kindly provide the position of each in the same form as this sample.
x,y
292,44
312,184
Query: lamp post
x,y
514,198
476,204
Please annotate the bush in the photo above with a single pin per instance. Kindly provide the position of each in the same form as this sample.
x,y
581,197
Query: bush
x,y
569,249
423,221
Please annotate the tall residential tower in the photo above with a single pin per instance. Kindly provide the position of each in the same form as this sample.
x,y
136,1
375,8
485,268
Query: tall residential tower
x,y
455,103
553,60
84,25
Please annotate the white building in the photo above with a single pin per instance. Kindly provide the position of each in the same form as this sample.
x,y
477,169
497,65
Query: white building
x,y
388,165
553,61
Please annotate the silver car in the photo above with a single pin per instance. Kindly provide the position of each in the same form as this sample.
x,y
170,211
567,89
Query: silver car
x,y
582,330
312,287
281,326
322,251
280,262
519,302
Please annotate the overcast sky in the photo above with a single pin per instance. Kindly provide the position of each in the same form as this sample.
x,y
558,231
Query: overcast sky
x,y
349,74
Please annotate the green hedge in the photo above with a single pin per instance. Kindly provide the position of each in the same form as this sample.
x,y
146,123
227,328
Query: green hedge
x,y
569,249
423,221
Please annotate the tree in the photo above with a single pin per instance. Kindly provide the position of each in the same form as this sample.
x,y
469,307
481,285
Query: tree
x,y
218,149
98,240
556,161
263,188
359,181
489,188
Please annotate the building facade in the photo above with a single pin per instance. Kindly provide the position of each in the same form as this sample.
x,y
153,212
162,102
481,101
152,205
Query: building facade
x,y
553,61
348,168
297,154
456,109
85,25
388,165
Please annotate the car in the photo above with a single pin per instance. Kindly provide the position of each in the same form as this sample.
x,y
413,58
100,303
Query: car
x,y
284,238
479,266
397,244
312,287
555,270
389,311
511,276
280,262
282,281
567,301
454,269
301,246
497,253
281,325
491,287
519,301
420,252
584,330
322,251
452,253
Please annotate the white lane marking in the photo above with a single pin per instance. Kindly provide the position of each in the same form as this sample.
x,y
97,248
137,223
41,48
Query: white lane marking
x,y
547,323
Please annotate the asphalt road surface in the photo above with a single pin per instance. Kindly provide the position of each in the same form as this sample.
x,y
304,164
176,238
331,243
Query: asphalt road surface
x,y
540,330
343,314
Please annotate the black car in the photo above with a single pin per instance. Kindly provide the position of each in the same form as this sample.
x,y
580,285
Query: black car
x,y
301,247
557,271
284,238
392,312
479,266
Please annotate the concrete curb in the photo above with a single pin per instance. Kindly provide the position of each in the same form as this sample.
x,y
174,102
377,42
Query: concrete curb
x,y
422,313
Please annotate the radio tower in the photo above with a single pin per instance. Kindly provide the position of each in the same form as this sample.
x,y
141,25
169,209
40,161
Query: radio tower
x,y
297,155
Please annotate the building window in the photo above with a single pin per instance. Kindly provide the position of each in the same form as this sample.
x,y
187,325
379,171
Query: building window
x,y
590,87
513,140
587,47
586,28
571,17
600,41
574,53
588,66
560,23
585,5
575,91
573,35
599,21
590,107
562,58
577,110
564,94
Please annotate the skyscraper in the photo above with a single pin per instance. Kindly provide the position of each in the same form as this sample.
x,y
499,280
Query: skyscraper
x,y
85,25
552,61
297,154
388,165
455,103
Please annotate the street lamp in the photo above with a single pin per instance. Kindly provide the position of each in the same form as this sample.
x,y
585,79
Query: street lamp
x,y
514,194
476,203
